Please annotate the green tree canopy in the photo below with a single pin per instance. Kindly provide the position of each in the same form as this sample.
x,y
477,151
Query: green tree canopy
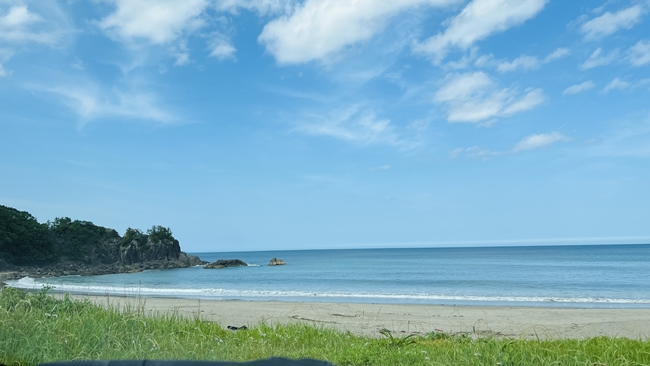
x,y
22,239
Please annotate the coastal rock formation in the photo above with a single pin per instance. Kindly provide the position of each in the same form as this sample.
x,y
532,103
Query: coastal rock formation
x,y
72,247
224,263
276,262
136,252
190,260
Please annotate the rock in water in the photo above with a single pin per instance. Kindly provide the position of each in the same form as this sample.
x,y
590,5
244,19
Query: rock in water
x,y
276,262
223,263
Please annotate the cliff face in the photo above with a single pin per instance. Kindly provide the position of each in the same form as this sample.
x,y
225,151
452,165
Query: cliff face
x,y
136,252
74,247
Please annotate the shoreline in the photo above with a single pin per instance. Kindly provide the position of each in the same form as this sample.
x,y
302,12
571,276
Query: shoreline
x,y
368,319
470,301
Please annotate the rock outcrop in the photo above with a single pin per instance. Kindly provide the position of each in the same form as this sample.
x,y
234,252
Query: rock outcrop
x,y
137,252
73,247
276,262
224,263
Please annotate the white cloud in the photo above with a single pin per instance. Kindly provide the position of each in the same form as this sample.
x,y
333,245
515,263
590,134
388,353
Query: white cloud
x,y
473,152
18,16
17,23
609,23
537,141
474,97
464,86
91,102
262,7
531,142
522,62
320,28
597,58
78,64
579,88
639,54
530,100
3,72
5,55
182,54
557,54
478,20
616,84
355,124
221,48
157,21
352,124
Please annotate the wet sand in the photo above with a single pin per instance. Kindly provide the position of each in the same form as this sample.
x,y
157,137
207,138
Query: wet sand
x,y
369,319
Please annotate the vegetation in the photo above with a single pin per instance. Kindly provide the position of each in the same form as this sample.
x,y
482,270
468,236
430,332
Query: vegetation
x,y
37,328
24,241
75,239
134,235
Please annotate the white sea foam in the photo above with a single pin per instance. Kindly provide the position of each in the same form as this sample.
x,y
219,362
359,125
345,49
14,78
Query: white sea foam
x,y
219,293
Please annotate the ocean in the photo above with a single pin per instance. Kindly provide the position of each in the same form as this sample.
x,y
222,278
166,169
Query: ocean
x,y
613,276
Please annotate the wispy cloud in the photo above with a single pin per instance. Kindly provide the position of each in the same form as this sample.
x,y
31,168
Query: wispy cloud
x,y
523,62
609,23
262,7
528,143
220,47
473,152
639,54
477,21
537,141
90,102
557,54
474,97
616,84
5,55
355,124
318,29
579,88
629,136
598,58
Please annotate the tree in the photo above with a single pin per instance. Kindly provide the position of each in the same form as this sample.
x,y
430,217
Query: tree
x,y
159,233
22,239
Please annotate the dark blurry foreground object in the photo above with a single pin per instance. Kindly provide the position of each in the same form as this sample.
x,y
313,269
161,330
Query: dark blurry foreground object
x,y
267,362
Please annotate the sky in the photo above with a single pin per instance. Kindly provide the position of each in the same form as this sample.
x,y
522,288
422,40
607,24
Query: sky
x,y
303,124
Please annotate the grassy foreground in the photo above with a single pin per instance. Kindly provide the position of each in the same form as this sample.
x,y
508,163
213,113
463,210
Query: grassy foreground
x,y
36,328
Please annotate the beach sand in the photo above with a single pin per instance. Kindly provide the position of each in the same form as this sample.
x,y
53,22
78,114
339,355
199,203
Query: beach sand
x,y
369,319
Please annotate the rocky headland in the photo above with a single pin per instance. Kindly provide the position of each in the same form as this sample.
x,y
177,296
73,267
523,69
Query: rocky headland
x,y
66,247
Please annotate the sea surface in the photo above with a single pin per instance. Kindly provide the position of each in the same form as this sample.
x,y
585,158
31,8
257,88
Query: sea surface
x,y
615,276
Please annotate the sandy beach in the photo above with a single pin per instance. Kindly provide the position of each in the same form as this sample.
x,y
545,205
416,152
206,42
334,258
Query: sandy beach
x,y
369,319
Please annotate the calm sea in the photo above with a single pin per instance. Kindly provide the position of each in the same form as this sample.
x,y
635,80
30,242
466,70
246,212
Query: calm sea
x,y
550,276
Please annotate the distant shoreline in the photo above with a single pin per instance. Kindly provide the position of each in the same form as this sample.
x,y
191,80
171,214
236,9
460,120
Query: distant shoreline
x,y
368,319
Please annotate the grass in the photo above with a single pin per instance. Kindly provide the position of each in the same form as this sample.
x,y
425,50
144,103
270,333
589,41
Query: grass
x,y
36,328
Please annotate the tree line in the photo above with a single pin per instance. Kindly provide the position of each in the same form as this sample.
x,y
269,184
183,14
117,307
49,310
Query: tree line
x,y
25,241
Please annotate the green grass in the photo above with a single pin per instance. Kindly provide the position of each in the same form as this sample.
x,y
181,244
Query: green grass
x,y
36,328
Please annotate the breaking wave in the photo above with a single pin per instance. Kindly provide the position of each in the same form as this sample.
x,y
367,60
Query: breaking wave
x,y
223,294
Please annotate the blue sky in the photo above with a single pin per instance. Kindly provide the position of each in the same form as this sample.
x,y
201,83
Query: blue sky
x,y
286,124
